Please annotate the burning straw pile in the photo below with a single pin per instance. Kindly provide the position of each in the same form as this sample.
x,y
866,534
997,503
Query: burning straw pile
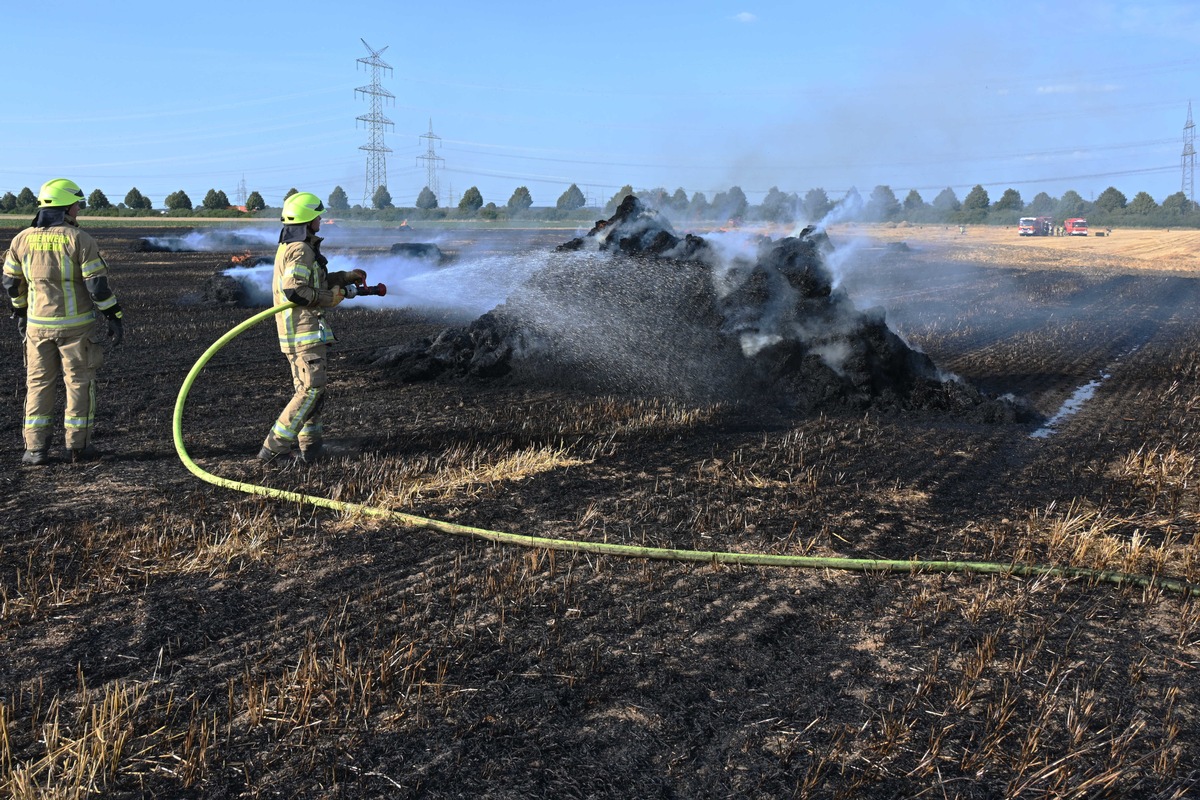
x,y
633,308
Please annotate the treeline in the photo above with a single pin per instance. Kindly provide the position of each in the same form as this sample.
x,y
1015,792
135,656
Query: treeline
x,y
1111,208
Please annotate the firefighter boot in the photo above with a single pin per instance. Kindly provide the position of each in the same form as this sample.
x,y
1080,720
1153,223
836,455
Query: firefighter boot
x,y
312,453
36,458
268,456
84,454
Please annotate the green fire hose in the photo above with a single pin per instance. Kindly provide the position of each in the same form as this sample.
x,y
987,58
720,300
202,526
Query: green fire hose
x,y
634,551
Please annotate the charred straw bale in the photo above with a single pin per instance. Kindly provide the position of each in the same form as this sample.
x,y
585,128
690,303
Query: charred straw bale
x,y
222,289
157,245
653,313
419,251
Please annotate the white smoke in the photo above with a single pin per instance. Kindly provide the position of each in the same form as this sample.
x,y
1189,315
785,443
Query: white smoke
x,y
214,240
469,287
736,252
754,342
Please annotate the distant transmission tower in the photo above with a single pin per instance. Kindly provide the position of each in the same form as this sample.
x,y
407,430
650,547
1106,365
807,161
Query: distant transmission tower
x,y
376,122
1189,158
431,160
241,191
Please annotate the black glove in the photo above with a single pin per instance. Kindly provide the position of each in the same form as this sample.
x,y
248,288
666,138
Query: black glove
x,y
19,316
116,327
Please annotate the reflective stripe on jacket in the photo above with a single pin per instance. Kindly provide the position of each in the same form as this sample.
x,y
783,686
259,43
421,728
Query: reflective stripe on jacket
x,y
298,274
45,273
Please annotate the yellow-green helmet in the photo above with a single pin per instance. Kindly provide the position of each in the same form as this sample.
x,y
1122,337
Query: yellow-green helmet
x,y
59,192
301,207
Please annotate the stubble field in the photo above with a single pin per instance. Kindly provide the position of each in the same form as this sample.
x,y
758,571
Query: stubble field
x,y
165,637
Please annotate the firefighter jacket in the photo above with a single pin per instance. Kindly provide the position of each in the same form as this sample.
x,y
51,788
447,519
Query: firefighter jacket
x,y
301,278
55,276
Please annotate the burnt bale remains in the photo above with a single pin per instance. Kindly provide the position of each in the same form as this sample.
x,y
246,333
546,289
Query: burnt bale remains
x,y
245,285
419,251
159,244
632,307
223,289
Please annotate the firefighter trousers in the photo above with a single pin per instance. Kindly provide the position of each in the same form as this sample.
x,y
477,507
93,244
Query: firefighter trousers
x,y
300,421
75,355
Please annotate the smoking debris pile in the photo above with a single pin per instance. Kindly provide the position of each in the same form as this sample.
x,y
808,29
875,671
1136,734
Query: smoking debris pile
x,y
199,241
633,308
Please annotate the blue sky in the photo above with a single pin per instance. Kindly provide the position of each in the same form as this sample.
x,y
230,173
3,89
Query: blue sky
x,y
699,95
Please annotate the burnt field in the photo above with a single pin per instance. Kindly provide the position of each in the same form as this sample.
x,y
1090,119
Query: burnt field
x,y
165,637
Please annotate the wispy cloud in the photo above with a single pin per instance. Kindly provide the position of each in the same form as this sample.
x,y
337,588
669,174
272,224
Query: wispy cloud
x,y
746,17
1078,88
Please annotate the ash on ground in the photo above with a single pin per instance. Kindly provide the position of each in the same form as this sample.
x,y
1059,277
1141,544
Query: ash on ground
x,y
633,308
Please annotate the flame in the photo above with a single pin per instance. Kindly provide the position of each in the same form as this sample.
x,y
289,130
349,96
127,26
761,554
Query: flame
x,y
242,259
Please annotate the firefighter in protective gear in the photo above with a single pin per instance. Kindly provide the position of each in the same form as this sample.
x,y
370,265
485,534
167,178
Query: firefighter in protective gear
x,y
304,336
58,284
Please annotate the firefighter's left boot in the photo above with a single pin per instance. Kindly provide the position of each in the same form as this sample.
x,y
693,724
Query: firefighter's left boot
x,y
311,453
80,455
36,458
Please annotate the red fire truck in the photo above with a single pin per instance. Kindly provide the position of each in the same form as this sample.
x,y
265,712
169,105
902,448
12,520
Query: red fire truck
x,y
1076,226
1035,226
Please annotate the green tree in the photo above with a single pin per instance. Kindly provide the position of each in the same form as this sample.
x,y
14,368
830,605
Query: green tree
x,y
383,198
8,202
215,200
291,192
975,205
1111,199
1142,205
946,201
97,200
698,206
678,202
178,201
777,206
816,205
490,211
427,200
520,200
882,205
654,198
1175,206
471,201
718,205
571,200
1071,205
255,202
26,200
913,203
135,200
1042,205
338,201
616,199
735,203
1009,201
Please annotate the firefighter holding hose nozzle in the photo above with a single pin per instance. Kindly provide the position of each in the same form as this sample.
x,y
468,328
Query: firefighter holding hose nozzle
x,y
304,336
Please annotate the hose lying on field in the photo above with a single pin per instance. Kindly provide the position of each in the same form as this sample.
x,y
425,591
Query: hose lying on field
x,y
634,551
